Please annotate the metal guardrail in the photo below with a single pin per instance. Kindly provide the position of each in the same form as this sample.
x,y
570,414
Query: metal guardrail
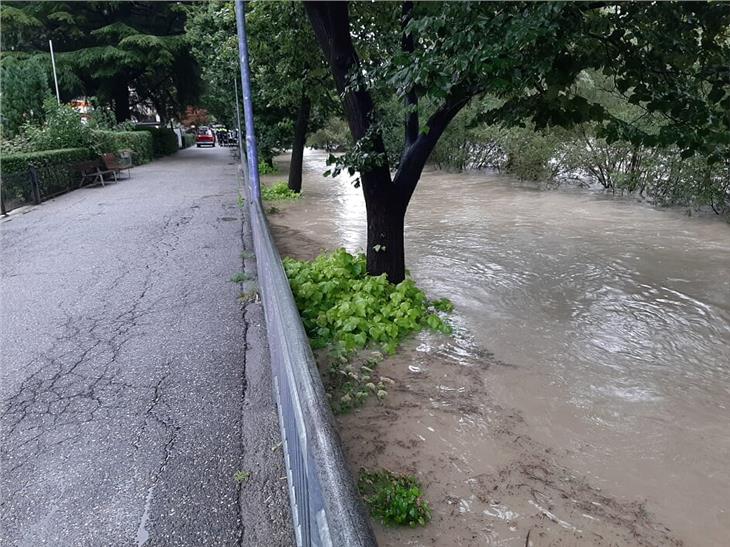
x,y
326,507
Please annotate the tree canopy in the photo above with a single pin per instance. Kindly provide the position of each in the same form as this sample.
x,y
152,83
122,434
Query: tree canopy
x,y
292,89
667,58
105,48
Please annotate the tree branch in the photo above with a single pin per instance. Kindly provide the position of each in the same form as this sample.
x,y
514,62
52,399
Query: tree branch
x,y
331,25
414,158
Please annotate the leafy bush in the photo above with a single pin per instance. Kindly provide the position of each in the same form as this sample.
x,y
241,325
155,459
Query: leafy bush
x,y
349,384
394,499
55,170
63,129
19,144
139,142
342,306
188,140
278,191
164,140
24,88
333,137
13,163
266,168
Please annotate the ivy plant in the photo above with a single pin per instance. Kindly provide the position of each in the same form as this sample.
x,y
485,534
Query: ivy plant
x,y
342,307
395,500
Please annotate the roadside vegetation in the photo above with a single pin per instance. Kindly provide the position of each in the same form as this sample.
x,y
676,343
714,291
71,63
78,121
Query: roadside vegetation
x,y
344,308
394,500
279,191
102,51
353,318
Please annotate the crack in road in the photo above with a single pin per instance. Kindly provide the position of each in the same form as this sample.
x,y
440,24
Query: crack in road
x,y
75,378
244,386
168,424
136,386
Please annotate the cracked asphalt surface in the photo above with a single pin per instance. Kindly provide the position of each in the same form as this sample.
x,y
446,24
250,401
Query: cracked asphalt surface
x,y
135,382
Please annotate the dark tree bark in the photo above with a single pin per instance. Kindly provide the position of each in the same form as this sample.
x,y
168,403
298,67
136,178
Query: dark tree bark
x,y
300,137
120,95
386,199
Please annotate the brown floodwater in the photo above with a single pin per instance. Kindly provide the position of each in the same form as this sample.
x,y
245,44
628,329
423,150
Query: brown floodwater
x,y
584,397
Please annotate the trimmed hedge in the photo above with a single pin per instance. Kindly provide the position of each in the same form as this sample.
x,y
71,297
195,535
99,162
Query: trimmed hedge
x,y
138,142
164,140
55,170
13,163
188,140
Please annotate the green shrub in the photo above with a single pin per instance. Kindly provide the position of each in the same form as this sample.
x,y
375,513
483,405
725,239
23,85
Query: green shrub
x,y
139,142
188,140
278,191
62,130
395,500
12,163
267,168
349,384
54,166
343,307
164,140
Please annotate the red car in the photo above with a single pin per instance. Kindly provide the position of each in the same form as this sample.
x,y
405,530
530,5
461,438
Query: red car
x,y
204,137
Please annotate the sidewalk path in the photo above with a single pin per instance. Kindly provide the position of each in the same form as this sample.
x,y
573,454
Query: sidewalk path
x,y
134,384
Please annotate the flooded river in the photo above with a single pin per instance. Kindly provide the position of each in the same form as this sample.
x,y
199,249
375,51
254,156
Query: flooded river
x,y
585,396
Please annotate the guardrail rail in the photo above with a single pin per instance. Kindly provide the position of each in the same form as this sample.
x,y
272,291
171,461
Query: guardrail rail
x,y
326,507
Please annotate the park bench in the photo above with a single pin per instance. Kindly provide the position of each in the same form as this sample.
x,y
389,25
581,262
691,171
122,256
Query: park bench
x,y
118,163
93,172
108,165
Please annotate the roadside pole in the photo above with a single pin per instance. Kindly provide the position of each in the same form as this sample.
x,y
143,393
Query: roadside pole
x,y
241,153
251,151
53,64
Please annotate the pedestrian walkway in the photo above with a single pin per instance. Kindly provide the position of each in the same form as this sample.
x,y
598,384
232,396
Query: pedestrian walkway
x,y
135,383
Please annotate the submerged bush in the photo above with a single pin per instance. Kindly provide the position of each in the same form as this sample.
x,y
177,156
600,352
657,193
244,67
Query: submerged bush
x,y
278,191
350,383
343,307
266,168
394,499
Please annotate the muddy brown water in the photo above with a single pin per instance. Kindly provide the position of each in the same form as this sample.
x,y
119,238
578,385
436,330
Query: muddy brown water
x,y
584,396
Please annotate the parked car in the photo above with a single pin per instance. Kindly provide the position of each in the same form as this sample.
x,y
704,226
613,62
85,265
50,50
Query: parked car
x,y
204,137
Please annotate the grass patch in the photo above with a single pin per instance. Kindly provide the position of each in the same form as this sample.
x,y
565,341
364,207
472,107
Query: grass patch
x,y
240,277
279,191
395,500
248,296
344,308
247,254
240,201
241,476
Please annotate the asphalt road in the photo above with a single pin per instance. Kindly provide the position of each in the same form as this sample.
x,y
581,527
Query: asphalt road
x,y
135,382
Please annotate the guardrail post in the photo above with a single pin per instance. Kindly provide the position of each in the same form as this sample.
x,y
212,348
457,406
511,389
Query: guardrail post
x,y
35,185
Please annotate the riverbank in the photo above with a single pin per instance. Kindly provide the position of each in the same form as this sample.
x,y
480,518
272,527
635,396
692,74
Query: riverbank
x,y
579,428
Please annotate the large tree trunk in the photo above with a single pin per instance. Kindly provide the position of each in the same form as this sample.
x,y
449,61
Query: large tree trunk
x,y
121,100
386,198
297,152
386,252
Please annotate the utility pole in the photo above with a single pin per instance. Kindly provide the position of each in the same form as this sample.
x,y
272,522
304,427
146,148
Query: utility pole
x,y
251,152
53,64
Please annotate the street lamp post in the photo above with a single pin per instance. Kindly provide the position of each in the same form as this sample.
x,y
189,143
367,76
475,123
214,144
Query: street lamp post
x,y
251,152
53,64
